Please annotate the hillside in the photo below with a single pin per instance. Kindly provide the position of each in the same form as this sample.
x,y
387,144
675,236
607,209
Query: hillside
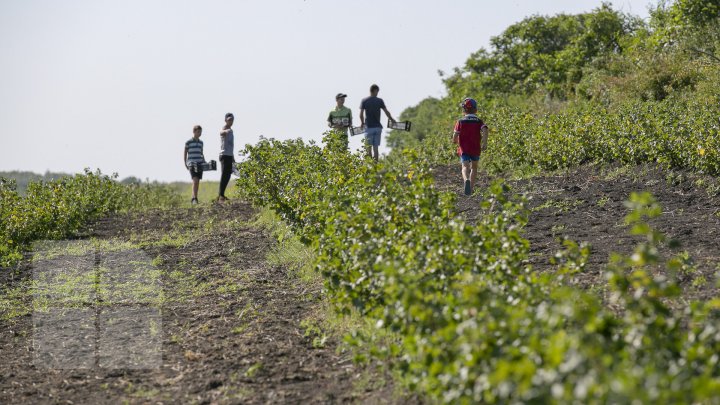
x,y
583,268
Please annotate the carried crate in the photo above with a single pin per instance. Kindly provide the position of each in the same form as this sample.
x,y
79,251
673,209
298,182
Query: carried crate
x,y
399,125
203,166
357,130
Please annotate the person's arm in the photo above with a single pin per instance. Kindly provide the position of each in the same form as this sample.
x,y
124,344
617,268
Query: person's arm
x,y
349,118
224,132
484,132
329,120
387,113
185,156
456,133
362,117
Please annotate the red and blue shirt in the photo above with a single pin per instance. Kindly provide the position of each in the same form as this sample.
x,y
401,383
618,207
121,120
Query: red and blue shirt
x,y
469,130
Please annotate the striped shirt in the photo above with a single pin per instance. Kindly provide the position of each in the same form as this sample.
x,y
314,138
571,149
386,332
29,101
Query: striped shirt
x,y
194,150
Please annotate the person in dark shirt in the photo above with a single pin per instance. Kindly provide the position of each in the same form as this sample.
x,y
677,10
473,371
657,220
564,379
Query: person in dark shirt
x,y
370,119
470,135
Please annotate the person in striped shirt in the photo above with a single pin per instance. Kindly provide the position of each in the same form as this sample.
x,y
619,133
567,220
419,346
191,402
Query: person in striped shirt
x,y
194,154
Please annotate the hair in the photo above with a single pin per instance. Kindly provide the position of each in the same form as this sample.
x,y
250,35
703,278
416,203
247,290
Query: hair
x,y
374,88
196,127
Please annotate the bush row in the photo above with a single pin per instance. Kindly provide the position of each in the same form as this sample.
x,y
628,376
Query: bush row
x,y
473,322
60,208
673,133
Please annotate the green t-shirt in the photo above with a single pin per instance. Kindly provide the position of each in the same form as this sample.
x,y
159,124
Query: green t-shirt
x,y
340,116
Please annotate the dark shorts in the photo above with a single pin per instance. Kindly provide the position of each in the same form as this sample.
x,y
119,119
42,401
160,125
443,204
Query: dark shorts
x,y
467,158
195,173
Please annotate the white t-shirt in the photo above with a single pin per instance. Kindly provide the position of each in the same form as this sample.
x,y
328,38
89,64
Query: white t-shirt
x,y
227,144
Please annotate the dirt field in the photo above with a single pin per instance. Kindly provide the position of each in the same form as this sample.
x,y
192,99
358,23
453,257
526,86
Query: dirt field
x,y
234,329
231,325
586,205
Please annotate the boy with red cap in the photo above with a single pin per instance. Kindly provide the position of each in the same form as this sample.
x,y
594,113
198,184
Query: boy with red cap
x,y
471,137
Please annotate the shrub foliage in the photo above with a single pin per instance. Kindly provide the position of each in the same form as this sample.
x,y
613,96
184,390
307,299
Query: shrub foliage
x,y
472,321
61,208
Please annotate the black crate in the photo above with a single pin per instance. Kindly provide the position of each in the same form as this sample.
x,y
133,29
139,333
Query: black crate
x,y
357,130
400,125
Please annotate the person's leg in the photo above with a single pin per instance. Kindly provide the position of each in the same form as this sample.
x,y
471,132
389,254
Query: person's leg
x,y
226,167
378,137
368,143
473,172
195,185
374,138
466,175
466,167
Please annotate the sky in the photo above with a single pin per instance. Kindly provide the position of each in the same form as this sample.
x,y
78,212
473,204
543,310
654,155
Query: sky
x,y
118,85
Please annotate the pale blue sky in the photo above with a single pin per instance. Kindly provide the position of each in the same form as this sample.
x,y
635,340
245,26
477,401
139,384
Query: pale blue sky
x,y
118,85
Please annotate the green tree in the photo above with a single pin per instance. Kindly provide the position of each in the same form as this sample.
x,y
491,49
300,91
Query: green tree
x,y
542,53
696,13
421,116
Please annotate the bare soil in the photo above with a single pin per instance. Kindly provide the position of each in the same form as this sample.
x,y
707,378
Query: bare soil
x,y
231,326
586,204
231,323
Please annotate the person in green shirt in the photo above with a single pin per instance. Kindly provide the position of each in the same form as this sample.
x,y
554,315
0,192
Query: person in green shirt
x,y
340,118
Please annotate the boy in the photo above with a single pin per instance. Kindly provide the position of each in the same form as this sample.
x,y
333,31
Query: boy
x,y
372,105
194,154
227,159
340,118
471,137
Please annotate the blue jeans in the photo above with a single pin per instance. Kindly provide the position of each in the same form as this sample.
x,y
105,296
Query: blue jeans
x,y
372,136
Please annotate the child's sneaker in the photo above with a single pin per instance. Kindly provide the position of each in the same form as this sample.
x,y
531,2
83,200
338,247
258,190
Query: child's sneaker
x,y
194,201
468,187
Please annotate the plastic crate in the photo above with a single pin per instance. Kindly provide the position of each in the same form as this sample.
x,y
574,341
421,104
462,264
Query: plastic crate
x,y
399,125
357,130
344,121
204,166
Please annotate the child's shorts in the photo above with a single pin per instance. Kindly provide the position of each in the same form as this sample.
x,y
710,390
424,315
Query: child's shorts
x,y
467,158
196,173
